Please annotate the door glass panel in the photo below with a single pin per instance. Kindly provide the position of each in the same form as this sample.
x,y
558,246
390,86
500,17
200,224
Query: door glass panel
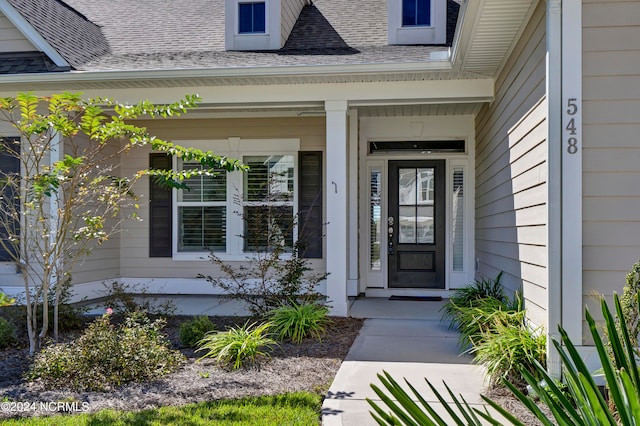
x,y
407,187
424,225
407,225
375,225
457,219
425,186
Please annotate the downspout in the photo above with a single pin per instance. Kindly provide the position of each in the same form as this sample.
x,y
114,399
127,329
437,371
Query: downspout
x,y
554,179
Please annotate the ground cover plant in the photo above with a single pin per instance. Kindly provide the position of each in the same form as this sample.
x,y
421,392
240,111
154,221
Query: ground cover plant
x,y
238,346
299,320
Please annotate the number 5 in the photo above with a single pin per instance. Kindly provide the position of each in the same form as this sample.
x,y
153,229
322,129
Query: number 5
x,y
572,106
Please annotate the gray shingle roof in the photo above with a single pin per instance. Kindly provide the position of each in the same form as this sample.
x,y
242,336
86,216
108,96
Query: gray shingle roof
x,y
98,35
27,62
77,39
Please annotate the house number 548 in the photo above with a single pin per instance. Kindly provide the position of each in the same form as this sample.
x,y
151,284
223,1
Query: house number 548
x,y
572,131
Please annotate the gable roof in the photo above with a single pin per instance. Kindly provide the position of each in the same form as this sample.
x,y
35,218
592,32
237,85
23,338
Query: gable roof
x,y
187,34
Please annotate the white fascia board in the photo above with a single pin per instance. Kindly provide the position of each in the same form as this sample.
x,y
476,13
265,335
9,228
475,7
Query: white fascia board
x,y
297,70
31,33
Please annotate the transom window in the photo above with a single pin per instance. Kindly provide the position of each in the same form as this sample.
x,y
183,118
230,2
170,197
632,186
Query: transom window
x,y
252,18
416,13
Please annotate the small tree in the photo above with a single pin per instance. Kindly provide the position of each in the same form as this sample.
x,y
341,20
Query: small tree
x,y
69,194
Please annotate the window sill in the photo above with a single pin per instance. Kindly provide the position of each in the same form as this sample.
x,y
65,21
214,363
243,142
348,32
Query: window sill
x,y
225,257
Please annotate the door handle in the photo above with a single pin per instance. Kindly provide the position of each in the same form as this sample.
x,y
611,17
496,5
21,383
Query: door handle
x,y
390,233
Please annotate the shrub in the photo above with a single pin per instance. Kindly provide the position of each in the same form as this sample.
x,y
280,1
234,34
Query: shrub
x,y
107,355
238,345
508,349
275,273
298,321
478,289
6,300
7,333
191,332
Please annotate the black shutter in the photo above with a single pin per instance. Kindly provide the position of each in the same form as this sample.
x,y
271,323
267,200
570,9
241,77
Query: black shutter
x,y
310,204
9,165
160,211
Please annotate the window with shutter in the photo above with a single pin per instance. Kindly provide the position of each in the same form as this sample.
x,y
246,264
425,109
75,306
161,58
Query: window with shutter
x,y
9,200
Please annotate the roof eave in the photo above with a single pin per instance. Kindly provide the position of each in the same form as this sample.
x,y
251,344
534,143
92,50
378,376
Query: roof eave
x,y
244,72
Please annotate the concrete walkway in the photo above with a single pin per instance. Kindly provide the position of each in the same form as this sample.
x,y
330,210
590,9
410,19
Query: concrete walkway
x,y
408,340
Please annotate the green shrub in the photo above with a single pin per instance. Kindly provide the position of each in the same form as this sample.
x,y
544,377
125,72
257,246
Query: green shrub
x,y
6,300
507,349
238,345
108,355
191,332
298,321
7,333
478,289
482,316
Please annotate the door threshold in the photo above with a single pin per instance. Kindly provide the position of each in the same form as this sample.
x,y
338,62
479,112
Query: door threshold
x,y
406,292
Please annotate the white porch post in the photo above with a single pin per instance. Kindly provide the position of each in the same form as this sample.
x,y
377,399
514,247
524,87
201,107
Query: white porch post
x,y
336,185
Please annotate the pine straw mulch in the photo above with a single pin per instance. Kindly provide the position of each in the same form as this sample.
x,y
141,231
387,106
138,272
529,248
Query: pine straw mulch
x,y
310,366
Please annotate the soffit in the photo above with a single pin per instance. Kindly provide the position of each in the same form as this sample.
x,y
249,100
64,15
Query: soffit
x,y
489,32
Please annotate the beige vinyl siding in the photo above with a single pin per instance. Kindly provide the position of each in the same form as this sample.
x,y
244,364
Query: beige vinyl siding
x,y
103,263
611,155
290,11
135,259
11,39
511,173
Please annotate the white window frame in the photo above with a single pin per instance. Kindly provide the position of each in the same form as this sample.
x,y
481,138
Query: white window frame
x,y
435,33
235,148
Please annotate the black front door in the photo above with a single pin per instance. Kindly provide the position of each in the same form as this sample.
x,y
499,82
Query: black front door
x,y
416,224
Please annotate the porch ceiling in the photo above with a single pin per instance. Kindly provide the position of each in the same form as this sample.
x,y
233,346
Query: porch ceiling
x,y
489,31
420,110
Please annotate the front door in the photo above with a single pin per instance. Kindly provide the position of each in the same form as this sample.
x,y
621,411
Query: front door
x,y
416,224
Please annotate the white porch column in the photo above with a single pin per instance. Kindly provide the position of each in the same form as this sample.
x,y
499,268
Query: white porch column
x,y
336,185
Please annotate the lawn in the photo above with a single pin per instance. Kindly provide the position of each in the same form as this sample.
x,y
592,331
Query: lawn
x,y
299,408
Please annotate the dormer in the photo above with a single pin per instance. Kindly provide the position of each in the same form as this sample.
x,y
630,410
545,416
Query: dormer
x,y
260,24
417,21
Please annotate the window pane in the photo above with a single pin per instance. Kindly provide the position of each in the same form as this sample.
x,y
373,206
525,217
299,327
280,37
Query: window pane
x,y
425,186
269,179
203,188
408,12
266,226
258,18
375,225
202,228
407,187
457,219
407,224
424,12
424,225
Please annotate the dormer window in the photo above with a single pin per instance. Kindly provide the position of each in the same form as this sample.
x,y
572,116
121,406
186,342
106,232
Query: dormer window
x,y
416,13
251,18
417,21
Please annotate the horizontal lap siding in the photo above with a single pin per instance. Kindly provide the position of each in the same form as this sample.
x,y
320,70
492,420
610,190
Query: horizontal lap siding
x,y
611,156
511,173
11,39
135,258
103,263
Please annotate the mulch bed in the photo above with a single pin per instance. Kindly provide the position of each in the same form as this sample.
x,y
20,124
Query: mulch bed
x,y
310,366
